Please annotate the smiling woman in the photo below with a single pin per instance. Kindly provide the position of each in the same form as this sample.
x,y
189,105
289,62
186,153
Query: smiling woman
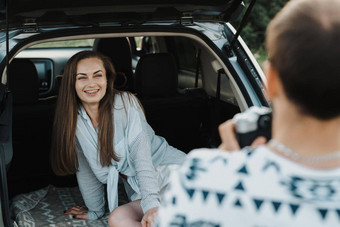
x,y
103,122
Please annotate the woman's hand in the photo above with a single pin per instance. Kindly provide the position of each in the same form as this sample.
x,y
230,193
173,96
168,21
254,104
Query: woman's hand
x,y
78,212
149,216
228,137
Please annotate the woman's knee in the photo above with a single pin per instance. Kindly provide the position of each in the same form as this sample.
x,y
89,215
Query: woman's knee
x,y
125,215
116,218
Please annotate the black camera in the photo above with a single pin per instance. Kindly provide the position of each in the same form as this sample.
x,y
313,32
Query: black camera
x,y
252,123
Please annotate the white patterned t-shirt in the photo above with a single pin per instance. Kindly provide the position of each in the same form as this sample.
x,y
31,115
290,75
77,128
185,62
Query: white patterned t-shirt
x,y
255,188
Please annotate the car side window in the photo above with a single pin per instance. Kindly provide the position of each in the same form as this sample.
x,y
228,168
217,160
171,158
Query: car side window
x,y
187,57
186,53
66,43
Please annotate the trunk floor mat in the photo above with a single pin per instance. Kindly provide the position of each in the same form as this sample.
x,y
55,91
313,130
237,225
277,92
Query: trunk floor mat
x,y
45,207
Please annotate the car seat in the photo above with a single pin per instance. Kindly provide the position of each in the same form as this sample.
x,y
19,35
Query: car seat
x,y
177,116
32,125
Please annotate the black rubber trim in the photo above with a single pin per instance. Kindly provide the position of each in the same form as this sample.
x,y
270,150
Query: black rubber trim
x,y
4,190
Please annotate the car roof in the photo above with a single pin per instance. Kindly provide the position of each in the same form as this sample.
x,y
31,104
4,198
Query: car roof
x,y
80,12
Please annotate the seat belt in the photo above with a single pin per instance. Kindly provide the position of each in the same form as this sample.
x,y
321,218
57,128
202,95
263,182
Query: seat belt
x,y
218,97
218,85
217,108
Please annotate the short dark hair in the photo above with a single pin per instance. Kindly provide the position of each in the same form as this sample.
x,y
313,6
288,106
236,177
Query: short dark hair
x,y
303,44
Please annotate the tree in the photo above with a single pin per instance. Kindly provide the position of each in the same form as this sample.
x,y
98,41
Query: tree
x,y
263,11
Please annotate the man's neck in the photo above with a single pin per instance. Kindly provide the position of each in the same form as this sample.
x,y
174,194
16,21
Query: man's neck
x,y
305,135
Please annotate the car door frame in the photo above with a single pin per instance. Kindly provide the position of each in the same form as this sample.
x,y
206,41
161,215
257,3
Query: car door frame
x,y
6,151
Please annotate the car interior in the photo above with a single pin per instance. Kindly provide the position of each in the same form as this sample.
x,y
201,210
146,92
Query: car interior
x,y
178,79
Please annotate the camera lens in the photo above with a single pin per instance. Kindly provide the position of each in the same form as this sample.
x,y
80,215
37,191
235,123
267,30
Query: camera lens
x,y
264,121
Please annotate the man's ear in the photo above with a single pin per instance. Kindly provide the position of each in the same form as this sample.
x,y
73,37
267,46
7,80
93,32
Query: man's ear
x,y
273,81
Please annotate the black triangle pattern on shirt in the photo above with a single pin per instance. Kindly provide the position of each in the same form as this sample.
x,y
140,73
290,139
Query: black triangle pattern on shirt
x,y
249,150
218,158
338,212
205,194
249,153
258,203
323,213
239,186
272,164
276,206
243,170
195,169
238,203
174,201
294,208
190,192
220,197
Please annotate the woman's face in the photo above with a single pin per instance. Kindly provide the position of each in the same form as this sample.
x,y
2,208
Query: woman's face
x,y
91,81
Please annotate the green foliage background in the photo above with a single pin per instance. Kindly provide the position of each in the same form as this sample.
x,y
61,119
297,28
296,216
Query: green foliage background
x,y
254,32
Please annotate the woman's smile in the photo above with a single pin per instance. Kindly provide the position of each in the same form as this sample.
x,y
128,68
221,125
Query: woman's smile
x,y
92,92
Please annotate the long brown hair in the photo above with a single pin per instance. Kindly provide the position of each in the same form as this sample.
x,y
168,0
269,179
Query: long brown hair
x,y
64,158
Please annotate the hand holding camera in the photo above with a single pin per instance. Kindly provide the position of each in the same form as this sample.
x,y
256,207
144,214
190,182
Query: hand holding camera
x,y
250,128
252,123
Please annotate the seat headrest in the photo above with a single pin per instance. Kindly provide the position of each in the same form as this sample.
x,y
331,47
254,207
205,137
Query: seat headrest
x,y
156,75
118,49
23,81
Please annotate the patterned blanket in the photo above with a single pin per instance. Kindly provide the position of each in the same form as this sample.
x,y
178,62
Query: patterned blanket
x,y
46,206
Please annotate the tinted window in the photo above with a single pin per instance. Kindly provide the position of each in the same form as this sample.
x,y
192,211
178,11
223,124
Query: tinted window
x,y
68,43
186,53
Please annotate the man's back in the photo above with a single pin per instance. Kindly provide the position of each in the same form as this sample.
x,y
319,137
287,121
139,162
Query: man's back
x,y
250,188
